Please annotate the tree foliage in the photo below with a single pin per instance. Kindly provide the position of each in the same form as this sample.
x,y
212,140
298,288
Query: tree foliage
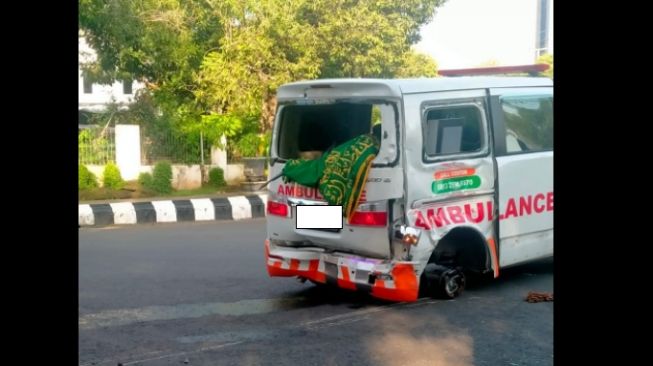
x,y
415,64
211,64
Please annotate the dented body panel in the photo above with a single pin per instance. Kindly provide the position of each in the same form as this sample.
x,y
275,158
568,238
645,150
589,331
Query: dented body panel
x,y
440,170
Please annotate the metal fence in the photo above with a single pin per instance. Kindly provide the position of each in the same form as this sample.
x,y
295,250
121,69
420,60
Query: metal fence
x,y
97,145
174,148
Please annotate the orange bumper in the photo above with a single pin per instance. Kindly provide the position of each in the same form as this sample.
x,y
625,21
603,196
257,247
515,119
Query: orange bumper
x,y
396,282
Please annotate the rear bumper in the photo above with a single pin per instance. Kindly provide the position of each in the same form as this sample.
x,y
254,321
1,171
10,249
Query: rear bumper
x,y
388,280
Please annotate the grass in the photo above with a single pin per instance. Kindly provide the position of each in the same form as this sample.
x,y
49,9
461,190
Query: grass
x,y
133,190
193,192
96,194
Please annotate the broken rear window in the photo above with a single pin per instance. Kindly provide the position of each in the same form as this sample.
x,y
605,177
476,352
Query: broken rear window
x,y
307,131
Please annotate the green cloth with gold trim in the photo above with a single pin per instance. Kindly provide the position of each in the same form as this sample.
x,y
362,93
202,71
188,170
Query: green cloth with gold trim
x,y
340,174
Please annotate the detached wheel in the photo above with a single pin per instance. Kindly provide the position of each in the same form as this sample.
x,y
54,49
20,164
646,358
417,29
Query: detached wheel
x,y
442,282
453,283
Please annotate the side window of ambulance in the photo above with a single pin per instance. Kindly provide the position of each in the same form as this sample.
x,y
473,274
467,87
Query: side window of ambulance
x,y
453,130
529,122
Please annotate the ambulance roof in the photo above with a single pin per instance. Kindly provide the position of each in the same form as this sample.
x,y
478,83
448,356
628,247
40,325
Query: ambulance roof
x,y
397,87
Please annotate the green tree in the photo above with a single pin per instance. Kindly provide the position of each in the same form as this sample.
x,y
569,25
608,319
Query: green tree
x,y
272,42
204,60
266,44
367,38
160,42
415,64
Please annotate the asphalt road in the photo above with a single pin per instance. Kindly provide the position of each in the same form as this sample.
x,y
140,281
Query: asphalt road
x,y
199,294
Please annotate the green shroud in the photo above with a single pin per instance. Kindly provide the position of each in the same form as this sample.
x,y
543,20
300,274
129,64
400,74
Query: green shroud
x,y
340,174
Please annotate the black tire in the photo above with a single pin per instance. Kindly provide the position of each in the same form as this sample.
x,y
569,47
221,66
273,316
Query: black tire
x,y
442,282
453,284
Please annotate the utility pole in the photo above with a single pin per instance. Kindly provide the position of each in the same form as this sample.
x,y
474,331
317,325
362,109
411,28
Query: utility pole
x,y
542,31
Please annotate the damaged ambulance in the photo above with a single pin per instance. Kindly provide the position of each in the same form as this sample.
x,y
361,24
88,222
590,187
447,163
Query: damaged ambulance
x,y
460,182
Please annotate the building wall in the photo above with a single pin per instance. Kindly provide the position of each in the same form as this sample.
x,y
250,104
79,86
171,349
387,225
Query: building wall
x,y
101,94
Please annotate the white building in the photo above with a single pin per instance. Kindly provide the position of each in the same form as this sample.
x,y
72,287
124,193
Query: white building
x,y
96,97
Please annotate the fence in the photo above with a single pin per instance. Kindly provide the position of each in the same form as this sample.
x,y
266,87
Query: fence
x,y
177,149
136,152
97,146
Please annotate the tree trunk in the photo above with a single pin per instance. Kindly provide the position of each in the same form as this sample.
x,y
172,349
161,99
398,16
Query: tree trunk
x,y
267,112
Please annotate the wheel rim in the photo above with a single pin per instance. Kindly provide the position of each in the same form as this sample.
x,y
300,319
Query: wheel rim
x,y
453,284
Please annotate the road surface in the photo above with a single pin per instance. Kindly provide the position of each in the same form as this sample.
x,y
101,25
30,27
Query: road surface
x,y
199,294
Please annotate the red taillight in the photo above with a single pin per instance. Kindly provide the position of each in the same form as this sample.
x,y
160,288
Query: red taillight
x,y
277,208
369,218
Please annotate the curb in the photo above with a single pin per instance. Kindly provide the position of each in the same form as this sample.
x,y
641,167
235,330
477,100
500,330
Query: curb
x,y
195,209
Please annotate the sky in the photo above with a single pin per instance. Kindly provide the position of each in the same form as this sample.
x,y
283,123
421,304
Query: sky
x,y
466,33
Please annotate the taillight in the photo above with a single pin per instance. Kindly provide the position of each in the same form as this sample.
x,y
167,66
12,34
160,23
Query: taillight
x,y
278,208
370,214
369,218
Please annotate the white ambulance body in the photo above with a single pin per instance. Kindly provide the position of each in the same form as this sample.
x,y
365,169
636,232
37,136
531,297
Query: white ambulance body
x,y
463,182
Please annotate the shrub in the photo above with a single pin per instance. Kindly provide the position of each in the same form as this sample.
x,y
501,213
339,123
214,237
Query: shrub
x,y
162,178
216,177
87,180
111,177
146,181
